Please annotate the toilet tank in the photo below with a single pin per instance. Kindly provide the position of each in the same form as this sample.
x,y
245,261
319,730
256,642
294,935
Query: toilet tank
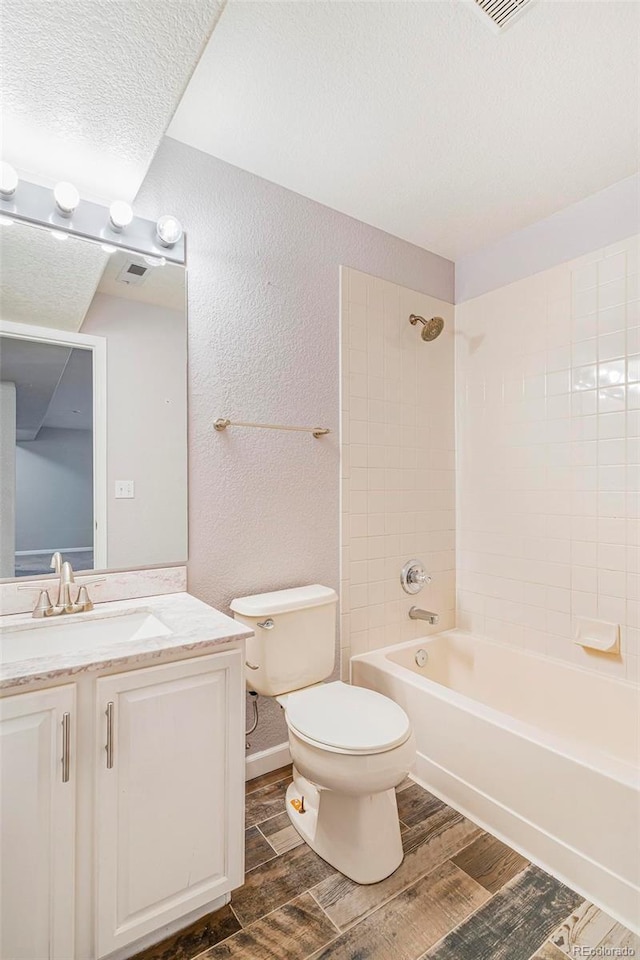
x,y
294,642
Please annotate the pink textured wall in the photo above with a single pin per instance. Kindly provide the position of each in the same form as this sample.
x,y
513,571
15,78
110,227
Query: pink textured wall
x,y
264,345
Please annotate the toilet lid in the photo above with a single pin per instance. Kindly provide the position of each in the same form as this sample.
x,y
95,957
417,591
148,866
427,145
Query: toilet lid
x,y
349,718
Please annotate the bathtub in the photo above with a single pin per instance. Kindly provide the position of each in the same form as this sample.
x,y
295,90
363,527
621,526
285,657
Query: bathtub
x,y
542,754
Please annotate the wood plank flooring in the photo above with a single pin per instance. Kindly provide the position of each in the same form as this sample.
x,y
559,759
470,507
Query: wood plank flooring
x,y
460,894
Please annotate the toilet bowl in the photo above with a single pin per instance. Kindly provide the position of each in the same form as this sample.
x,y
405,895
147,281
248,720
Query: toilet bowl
x,y
350,746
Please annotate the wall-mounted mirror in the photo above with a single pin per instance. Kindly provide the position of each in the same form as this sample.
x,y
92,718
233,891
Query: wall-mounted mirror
x,y
93,405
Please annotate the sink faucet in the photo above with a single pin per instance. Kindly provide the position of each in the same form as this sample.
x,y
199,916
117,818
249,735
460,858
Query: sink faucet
x,y
64,603
417,614
65,574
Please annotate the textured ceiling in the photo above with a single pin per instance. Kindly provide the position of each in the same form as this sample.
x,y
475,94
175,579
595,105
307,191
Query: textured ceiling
x,y
44,280
89,86
51,282
416,117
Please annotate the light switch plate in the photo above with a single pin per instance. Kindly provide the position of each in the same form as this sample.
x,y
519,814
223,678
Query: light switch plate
x,y
125,490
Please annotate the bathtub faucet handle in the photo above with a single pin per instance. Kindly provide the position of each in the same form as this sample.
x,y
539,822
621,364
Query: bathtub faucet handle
x,y
419,576
414,576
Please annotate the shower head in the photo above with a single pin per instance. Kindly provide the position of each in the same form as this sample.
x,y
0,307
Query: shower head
x,y
430,328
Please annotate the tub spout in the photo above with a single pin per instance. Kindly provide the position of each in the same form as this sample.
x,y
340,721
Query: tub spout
x,y
417,614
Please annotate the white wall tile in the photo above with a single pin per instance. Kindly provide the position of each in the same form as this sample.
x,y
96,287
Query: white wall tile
x,y
548,486
398,460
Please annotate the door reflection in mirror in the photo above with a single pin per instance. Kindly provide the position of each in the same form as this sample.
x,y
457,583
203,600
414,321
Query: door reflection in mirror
x,y
53,435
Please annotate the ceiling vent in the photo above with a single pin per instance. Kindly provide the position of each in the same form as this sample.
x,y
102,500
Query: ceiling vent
x,y
133,274
500,14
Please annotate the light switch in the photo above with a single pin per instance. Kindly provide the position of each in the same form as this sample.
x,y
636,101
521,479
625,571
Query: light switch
x,y
124,490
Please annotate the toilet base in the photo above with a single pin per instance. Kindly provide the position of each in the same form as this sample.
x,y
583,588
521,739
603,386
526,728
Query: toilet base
x,y
358,835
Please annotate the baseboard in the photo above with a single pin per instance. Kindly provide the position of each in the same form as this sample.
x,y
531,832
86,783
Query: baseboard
x,y
594,882
267,760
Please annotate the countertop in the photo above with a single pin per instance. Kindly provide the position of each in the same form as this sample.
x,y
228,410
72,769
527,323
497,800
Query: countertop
x,y
194,626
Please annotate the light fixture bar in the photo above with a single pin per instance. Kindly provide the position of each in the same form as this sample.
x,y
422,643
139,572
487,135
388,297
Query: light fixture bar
x,y
32,203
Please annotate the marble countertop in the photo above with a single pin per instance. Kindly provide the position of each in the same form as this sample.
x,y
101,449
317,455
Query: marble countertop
x,y
194,627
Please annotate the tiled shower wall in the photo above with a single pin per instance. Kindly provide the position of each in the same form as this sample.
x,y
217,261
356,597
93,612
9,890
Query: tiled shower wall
x,y
548,426
398,480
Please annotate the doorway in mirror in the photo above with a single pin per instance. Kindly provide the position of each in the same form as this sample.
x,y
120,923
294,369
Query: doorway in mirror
x,y
53,439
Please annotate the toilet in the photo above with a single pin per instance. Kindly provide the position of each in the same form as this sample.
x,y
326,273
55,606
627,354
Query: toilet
x,y
350,746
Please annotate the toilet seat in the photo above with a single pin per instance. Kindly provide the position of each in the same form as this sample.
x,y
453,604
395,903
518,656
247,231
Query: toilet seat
x,y
342,718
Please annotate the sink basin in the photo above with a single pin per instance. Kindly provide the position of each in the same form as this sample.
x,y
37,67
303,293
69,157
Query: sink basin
x,y
73,634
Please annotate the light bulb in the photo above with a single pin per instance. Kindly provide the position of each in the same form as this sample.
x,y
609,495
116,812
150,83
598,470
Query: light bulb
x,y
8,181
67,198
120,215
168,230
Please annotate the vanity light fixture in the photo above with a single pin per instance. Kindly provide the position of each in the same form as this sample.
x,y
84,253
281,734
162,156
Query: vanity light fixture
x,y
108,248
168,230
8,181
67,198
66,215
155,261
120,215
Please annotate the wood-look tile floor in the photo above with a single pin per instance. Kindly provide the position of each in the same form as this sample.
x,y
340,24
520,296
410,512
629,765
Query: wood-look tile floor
x,y
459,894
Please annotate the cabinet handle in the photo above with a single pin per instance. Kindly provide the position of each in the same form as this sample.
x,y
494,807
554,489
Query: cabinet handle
x,y
109,746
66,742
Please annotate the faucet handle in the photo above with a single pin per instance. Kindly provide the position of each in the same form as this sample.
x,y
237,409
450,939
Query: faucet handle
x,y
43,605
414,576
83,601
418,576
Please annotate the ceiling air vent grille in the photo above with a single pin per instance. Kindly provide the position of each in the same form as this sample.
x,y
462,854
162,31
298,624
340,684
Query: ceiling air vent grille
x,y
502,13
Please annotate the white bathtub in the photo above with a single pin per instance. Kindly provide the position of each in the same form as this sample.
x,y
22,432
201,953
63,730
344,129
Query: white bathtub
x,y
541,754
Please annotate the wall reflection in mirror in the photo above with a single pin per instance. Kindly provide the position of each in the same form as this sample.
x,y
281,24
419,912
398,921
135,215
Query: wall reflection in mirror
x,y
93,415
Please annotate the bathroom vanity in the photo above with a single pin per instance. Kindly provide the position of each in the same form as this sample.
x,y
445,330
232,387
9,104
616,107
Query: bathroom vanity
x,y
122,751
122,775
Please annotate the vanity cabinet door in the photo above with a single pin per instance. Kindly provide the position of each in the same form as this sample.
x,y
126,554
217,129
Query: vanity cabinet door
x,y
37,824
170,793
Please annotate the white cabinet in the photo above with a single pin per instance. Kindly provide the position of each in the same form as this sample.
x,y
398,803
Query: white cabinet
x,y
99,849
168,839
37,824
